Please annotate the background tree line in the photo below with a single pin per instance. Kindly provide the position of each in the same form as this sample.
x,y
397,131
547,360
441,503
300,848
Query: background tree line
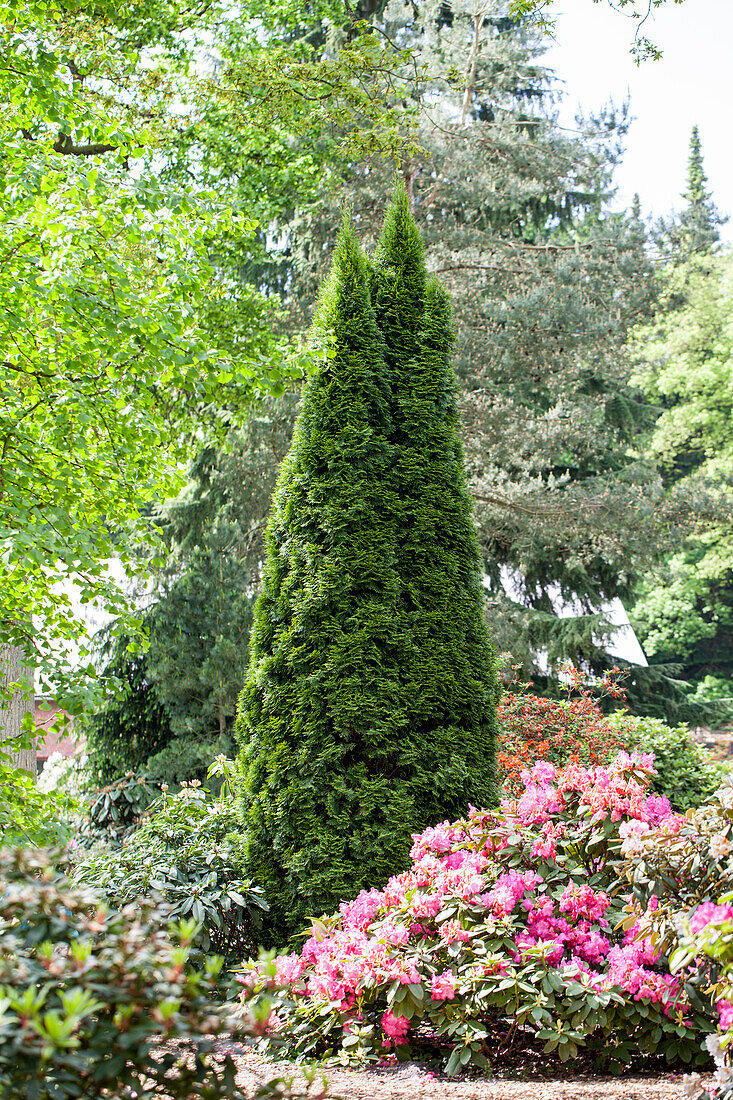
x,y
255,128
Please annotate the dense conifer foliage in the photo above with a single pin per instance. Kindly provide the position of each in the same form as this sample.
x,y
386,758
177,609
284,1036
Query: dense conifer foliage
x,y
369,709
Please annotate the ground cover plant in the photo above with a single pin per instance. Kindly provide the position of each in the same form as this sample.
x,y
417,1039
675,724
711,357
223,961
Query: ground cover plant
x,y
507,919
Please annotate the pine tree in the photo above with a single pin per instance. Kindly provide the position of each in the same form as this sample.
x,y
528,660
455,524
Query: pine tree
x,y
354,734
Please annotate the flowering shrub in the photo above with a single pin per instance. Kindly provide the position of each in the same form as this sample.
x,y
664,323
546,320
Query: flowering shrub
x,y
506,920
533,728
708,933
98,1005
686,771
682,883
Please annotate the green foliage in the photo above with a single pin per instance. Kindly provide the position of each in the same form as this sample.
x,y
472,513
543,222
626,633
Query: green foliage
x,y
117,810
132,725
369,710
545,281
30,816
187,852
91,1001
173,705
687,773
685,615
127,328
694,232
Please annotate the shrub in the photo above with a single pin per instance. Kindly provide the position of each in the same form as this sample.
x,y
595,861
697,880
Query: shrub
x,y
117,810
533,728
708,934
687,773
97,1004
369,709
682,883
188,853
507,919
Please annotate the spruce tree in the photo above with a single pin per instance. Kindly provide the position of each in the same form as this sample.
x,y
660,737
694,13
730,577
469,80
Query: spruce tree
x,y
700,220
368,710
695,231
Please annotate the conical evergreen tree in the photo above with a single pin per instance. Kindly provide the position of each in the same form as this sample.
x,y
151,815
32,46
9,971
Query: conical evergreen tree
x,y
447,672
700,220
695,231
362,719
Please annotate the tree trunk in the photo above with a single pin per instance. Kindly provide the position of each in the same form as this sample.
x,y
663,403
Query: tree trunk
x,y
13,670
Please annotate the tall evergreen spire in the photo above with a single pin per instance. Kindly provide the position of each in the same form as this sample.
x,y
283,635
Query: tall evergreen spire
x,y
700,219
369,707
447,664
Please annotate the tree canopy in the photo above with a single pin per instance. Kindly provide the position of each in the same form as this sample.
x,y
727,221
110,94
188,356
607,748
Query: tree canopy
x,y
129,337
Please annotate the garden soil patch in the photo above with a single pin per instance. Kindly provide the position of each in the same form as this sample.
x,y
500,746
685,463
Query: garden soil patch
x,y
412,1081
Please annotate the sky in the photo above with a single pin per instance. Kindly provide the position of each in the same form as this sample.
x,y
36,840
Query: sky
x,y
692,83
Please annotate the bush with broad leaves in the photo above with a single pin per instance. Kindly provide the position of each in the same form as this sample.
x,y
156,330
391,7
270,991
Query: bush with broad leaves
x,y
507,921
686,772
682,898
187,853
97,1004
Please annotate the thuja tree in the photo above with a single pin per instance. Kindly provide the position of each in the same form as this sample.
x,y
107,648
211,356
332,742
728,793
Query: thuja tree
x,y
369,708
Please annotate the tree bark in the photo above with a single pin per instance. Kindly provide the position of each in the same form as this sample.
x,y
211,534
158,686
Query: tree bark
x,y
13,670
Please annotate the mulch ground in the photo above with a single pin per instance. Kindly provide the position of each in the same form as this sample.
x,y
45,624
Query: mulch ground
x,y
413,1081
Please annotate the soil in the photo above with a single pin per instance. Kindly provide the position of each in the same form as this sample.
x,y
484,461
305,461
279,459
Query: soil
x,y
416,1081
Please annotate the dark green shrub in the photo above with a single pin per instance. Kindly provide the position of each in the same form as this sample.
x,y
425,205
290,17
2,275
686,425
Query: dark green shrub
x,y
687,772
96,1004
369,708
117,810
188,854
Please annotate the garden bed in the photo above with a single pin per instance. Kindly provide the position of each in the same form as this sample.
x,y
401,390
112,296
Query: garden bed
x,y
416,1080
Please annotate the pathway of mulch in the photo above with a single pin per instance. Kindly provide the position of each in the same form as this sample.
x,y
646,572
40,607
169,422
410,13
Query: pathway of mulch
x,y
412,1081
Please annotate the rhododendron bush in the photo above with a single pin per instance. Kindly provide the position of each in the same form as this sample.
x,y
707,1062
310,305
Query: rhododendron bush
x,y
507,921
534,728
689,869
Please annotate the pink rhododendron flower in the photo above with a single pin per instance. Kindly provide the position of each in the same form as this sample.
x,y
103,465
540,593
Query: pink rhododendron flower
x,y
725,1014
443,986
453,930
476,870
288,968
395,1027
709,913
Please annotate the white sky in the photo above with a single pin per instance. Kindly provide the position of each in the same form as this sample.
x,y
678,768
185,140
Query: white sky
x,y
692,83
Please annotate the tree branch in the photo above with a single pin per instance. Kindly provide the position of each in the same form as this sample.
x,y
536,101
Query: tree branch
x,y
65,144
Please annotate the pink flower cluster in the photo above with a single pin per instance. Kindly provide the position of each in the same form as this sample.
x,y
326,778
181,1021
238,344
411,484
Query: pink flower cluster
x,y
613,790
489,876
709,913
